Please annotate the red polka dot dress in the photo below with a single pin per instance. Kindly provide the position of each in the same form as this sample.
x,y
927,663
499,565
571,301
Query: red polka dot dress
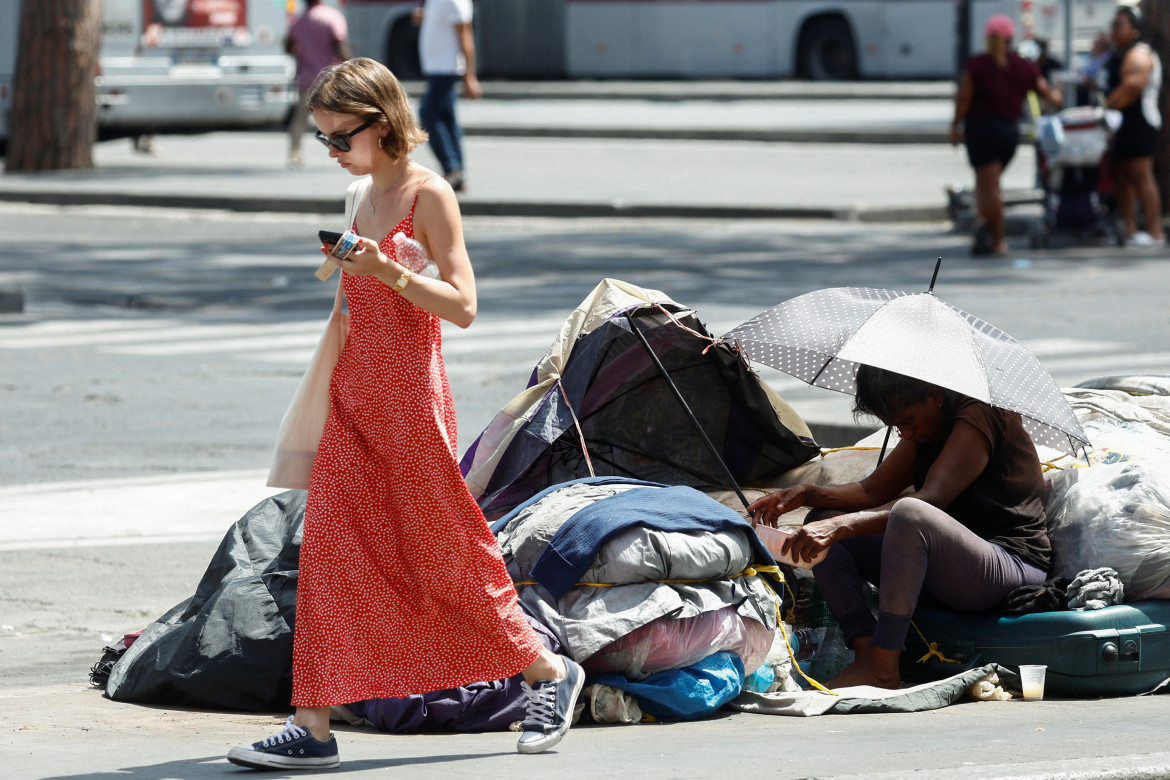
x,y
401,588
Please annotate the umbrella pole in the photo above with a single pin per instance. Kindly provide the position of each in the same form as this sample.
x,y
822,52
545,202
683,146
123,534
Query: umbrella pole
x,y
937,265
686,408
885,443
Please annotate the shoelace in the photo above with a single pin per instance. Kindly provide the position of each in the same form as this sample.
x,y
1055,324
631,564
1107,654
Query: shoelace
x,y
540,709
288,734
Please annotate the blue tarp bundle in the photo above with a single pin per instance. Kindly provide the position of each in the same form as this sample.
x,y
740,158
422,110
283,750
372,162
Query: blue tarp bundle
x,y
685,694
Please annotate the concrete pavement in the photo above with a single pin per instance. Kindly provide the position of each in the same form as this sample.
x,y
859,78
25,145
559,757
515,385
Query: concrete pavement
x,y
70,731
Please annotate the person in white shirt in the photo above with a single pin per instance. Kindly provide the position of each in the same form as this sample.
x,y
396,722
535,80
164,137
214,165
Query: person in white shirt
x,y
446,48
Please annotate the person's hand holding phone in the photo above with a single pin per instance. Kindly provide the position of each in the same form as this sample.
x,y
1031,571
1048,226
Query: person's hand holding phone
x,y
366,259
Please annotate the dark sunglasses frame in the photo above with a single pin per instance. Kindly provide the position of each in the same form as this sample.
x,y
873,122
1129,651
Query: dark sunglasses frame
x,y
341,142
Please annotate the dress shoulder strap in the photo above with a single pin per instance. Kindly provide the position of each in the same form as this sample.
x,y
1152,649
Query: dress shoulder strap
x,y
414,202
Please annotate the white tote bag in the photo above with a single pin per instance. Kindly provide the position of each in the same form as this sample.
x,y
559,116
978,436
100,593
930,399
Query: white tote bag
x,y
304,421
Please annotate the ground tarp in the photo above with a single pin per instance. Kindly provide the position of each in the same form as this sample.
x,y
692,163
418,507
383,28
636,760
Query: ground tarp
x,y
864,699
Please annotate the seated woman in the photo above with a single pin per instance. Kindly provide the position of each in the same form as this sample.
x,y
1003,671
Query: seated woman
x,y
972,530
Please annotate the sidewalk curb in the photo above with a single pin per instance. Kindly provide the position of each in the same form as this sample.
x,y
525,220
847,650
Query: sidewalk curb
x,y
726,90
810,135
476,208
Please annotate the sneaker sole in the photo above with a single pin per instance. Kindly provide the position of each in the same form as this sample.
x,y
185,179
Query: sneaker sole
x,y
256,760
528,748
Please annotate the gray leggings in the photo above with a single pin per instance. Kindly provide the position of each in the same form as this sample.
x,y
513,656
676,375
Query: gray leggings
x,y
923,550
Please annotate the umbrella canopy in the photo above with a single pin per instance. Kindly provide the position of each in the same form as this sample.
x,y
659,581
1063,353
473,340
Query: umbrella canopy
x,y
821,338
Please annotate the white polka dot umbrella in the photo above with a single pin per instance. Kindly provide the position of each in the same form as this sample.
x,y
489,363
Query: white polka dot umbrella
x,y
821,338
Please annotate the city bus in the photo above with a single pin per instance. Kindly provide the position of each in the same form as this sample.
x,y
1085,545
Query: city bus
x,y
812,39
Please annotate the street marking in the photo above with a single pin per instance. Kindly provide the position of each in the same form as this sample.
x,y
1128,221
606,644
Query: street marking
x,y
133,510
1114,364
101,334
1042,347
502,346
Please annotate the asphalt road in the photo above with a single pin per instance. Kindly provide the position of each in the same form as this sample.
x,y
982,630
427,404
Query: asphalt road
x,y
144,381
157,342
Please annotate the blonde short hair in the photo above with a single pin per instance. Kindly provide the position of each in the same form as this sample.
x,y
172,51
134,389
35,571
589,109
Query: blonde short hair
x,y
366,88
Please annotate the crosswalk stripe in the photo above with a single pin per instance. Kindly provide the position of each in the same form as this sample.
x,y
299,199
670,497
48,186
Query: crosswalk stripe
x,y
1116,363
514,344
158,331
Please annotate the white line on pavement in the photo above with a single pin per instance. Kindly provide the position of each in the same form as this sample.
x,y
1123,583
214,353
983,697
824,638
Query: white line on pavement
x,y
133,510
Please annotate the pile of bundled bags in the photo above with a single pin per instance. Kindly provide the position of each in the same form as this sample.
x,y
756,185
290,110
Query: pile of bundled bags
x,y
656,590
664,594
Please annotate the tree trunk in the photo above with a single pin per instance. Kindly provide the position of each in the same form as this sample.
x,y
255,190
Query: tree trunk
x,y
1156,24
54,112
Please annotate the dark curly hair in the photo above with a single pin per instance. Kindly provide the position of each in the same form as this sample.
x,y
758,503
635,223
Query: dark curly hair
x,y
1134,15
881,392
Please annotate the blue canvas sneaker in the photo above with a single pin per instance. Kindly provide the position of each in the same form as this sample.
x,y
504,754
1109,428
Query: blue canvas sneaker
x,y
549,709
292,748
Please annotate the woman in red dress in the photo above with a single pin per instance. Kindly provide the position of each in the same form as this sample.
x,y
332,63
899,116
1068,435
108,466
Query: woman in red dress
x,y
402,588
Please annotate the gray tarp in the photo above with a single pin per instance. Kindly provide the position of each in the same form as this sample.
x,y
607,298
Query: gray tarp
x,y
863,699
587,619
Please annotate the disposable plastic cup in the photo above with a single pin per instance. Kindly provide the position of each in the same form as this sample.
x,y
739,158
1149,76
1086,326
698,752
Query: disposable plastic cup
x,y
1032,681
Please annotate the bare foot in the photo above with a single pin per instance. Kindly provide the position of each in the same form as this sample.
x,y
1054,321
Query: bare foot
x,y
873,666
864,676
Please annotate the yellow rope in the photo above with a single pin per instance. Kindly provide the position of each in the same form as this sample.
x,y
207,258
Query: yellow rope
x,y
779,575
756,570
932,648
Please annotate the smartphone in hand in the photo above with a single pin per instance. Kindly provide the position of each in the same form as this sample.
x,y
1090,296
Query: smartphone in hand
x,y
342,243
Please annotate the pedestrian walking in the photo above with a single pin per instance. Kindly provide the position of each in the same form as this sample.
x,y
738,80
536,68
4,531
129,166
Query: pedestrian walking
x,y
402,588
988,105
317,39
1133,80
446,48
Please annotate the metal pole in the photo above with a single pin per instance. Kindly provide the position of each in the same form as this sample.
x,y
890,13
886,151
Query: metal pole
x,y
885,443
962,36
686,408
1070,89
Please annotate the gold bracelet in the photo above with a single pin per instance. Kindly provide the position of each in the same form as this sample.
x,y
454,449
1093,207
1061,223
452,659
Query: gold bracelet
x,y
403,281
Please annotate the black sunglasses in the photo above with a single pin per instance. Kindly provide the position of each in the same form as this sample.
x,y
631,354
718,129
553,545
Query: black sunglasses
x,y
340,142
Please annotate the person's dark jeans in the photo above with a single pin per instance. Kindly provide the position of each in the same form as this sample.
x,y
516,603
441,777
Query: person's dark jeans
x,y
923,549
436,114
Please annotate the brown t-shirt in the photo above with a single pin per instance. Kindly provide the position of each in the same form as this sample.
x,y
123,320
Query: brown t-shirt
x,y
1005,503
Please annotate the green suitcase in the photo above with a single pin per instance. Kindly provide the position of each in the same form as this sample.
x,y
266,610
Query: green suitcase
x,y
1115,651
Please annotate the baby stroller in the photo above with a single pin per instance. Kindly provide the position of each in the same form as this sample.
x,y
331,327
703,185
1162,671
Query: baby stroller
x,y
1070,153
